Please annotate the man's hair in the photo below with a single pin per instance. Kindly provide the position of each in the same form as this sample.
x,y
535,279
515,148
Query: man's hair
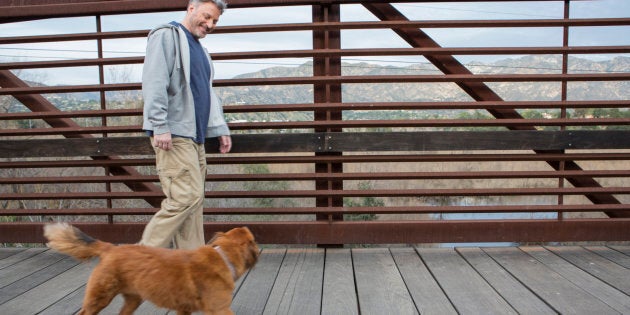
x,y
221,4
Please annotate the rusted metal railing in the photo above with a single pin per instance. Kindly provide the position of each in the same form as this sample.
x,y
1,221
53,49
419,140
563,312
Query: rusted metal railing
x,y
329,179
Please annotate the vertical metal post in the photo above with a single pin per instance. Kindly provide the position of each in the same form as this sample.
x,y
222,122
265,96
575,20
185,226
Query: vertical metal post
x,y
563,109
101,80
327,93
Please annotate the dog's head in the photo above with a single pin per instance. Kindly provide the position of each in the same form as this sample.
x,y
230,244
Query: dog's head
x,y
240,238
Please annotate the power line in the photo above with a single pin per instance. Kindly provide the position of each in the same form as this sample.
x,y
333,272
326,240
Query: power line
x,y
476,11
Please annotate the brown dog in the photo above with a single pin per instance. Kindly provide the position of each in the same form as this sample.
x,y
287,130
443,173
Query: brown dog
x,y
181,280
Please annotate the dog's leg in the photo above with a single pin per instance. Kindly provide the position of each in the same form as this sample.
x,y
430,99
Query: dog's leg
x,y
96,304
219,304
101,290
132,302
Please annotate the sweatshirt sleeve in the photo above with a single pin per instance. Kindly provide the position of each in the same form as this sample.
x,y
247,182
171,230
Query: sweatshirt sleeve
x,y
156,73
217,125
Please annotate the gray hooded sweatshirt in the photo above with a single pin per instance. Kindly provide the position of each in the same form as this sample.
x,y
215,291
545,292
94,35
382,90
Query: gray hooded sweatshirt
x,y
168,99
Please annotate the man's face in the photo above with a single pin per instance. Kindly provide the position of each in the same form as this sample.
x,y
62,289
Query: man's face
x,y
201,18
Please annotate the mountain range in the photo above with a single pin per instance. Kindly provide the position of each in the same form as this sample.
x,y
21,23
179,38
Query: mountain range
x,y
441,91
401,92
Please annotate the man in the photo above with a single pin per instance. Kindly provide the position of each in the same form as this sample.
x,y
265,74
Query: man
x,y
180,111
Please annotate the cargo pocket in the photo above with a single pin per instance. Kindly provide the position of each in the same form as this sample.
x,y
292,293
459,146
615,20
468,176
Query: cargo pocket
x,y
176,184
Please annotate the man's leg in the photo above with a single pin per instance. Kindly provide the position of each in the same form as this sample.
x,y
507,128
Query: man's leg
x,y
178,169
191,235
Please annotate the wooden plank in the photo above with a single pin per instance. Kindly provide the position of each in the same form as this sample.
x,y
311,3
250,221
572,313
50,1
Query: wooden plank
x,y
598,266
40,297
625,249
113,307
298,286
252,296
467,290
122,146
69,304
561,294
28,266
609,295
338,296
36,277
146,308
477,140
424,289
20,256
6,252
336,142
611,254
518,296
380,287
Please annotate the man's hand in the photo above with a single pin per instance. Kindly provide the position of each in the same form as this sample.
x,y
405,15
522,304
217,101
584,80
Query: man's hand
x,y
225,144
163,141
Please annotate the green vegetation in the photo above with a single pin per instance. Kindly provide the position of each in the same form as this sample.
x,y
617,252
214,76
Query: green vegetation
x,y
362,202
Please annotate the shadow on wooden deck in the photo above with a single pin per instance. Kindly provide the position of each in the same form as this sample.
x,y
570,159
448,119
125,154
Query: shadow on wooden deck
x,y
398,280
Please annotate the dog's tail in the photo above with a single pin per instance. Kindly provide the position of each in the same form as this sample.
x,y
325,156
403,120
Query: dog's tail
x,y
71,241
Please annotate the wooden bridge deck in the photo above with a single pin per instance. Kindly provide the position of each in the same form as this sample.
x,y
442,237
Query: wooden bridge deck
x,y
405,280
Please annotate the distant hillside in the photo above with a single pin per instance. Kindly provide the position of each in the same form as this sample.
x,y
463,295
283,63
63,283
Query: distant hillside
x,y
392,92
434,91
439,91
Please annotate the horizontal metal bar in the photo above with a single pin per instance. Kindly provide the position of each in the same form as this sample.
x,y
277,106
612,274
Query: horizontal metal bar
x,y
322,176
428,51
549,191
71,63
369,106
72,114
12,13
363,25
70,88
308,159
366,232
332,210
318,53
364,106
72,37
339,80
67,131
426,78
417,123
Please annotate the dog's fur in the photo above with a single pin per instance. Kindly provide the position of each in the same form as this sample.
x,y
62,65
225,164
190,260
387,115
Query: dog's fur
x,y
181,280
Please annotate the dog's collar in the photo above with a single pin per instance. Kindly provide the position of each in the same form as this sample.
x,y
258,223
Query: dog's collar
x,y
227,261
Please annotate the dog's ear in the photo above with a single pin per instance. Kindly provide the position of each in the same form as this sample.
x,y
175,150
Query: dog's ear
x,y
215,237
246,235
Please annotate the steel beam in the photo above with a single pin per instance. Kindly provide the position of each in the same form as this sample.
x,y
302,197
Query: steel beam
x,y
376,232
480,92
38,103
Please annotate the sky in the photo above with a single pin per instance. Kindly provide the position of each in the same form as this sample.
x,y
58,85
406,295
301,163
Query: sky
x,y
471,37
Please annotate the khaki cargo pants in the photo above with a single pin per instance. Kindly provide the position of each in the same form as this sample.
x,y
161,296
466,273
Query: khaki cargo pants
x,y
182,172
